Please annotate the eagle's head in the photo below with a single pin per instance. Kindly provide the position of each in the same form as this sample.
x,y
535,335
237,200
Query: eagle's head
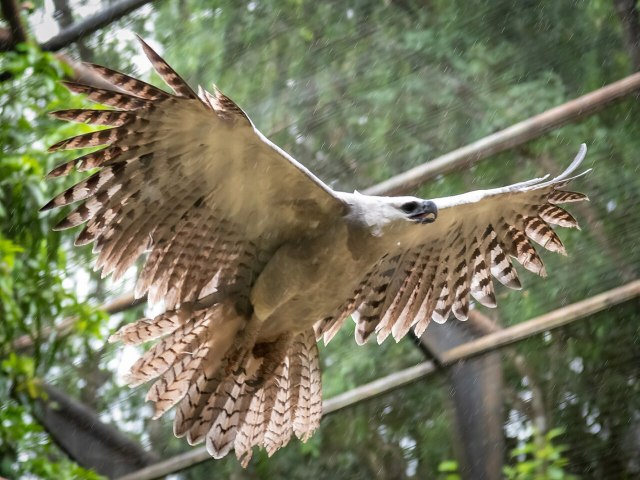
x,y
390,213
417,209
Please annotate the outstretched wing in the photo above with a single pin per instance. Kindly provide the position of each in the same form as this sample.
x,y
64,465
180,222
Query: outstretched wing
x,y
472,240
188,176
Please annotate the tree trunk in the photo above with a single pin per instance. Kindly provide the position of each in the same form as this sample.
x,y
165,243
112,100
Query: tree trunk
x,y
476,402
628,12
79,432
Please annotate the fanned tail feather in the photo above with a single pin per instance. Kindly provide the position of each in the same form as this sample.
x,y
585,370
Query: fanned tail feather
x,y
228,409
225,407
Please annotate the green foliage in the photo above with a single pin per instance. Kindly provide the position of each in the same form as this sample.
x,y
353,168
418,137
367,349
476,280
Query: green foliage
x,y
27,452
449,470
540,460
33,264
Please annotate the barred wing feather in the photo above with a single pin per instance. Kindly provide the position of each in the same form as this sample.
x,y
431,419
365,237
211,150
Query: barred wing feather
x,y
473,241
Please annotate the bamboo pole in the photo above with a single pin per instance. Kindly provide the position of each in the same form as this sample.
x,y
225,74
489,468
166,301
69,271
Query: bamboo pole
x,y
543,323
508,138
377,387
557,318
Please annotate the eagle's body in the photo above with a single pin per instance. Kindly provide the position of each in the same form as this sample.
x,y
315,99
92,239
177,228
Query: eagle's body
x,y
302,283
254,258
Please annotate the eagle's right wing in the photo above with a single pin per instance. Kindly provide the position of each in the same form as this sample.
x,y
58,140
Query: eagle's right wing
x,y
188,176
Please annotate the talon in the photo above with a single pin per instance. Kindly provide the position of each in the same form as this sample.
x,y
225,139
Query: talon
x,y
240,370
255,382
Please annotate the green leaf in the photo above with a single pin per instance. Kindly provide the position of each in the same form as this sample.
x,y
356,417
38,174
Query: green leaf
x,y
448,466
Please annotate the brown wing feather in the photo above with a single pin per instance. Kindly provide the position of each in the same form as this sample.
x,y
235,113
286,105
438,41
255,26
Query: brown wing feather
x,y
429,283
168,74
112,118
161,187
132,85
111,98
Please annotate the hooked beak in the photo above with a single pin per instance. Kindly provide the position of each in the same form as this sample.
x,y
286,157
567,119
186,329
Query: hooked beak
x,y
427,212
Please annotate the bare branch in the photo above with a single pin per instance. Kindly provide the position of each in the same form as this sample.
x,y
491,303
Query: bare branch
x,y
548,321
81,433
91,24
64,17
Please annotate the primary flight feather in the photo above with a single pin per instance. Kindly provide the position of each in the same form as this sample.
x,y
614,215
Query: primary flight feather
x,y
255,259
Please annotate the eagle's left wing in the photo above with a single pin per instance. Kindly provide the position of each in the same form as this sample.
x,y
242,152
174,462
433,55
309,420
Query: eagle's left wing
x,y
472,240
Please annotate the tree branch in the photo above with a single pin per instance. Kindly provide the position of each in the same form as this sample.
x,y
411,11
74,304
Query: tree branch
x,y
548,321
64,17
79,431
91,24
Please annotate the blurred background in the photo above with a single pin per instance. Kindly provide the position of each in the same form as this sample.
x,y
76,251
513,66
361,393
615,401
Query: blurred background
x,y
358,91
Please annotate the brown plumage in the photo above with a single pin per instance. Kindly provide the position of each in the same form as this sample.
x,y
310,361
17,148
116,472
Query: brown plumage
x,y
254,258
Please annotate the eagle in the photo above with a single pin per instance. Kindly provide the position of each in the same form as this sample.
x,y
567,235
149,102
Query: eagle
x,y
254,259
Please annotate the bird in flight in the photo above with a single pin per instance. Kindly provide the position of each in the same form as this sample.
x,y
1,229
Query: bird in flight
x,y
255,259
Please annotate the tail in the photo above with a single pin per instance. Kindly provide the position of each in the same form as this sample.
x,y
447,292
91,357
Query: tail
x,y
274,393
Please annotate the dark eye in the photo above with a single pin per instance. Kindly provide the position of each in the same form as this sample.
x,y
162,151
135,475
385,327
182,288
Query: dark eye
x,y
409,207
